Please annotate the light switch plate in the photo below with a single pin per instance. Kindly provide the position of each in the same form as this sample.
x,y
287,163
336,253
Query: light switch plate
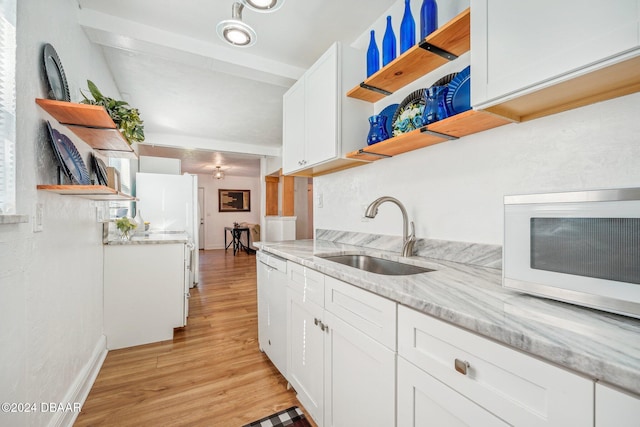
x,y
38,218
100,217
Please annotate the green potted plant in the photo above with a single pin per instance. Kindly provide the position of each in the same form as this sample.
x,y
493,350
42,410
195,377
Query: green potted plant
x,y
126,118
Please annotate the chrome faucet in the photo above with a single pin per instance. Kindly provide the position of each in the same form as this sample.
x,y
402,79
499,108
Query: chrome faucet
x,y
408,240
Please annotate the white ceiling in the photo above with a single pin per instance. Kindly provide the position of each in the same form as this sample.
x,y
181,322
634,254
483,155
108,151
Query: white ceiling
x,y
168,61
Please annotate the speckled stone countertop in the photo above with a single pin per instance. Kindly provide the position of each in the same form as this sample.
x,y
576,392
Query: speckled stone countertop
x,y
602,346
153,238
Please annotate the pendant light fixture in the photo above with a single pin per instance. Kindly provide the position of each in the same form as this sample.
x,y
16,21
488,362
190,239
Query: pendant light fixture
x,y
234,31
218,173
263,6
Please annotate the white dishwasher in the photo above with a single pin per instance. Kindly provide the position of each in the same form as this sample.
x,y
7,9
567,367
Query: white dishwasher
x,y
272,308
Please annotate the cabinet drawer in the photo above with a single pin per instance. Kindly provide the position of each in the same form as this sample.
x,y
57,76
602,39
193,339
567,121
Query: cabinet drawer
x,y
365,311
517,388
309,283
425,401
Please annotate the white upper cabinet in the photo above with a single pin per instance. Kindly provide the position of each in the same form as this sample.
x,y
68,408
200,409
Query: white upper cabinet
x,y
320,124
519,48
293,127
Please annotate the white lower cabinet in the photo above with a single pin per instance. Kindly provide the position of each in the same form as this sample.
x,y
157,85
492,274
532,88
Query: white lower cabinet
x,y
515,388
425,401
145,292
358,359
305,361
342,372
360,369
305,365
615,408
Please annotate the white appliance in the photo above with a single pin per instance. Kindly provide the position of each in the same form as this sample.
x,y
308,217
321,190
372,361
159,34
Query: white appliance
x,y
272,308
581,247
170,204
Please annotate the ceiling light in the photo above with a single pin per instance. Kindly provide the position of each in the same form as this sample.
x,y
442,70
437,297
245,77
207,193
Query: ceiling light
x,y
263,6
234,31
218,173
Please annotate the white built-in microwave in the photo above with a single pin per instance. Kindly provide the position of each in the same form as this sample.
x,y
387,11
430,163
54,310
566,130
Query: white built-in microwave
x,y
581,247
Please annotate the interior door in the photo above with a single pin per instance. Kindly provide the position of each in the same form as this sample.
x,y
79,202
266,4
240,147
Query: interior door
x,y
201,216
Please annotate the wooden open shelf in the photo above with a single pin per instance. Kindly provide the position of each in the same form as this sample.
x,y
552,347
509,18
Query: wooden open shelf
x,y
92,124
605,83
453,127
93,192
454,37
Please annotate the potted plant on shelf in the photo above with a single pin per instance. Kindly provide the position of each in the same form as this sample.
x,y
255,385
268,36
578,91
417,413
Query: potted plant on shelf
x,y
126,118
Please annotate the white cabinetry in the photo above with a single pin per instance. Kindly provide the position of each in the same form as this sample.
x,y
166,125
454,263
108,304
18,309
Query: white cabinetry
x,y
520,47
272,308
320,124
359,357
342,350
615,408
484,376
145,292
305,364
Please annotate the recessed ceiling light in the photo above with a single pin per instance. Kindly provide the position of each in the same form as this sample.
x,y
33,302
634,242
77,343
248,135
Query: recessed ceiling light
x,y
234,31
263,6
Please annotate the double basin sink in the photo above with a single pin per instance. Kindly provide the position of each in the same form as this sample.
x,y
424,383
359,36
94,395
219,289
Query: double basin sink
x,y
377,265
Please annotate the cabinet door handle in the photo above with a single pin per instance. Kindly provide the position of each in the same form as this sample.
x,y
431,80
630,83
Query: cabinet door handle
x,y
316,321
461,366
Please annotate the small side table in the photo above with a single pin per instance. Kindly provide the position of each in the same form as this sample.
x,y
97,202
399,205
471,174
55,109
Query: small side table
x,y
236,241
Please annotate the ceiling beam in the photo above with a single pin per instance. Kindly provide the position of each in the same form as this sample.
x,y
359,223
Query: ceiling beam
x,y
119,33
195,143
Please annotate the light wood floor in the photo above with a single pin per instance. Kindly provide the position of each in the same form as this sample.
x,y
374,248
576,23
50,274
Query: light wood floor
x,y
211,374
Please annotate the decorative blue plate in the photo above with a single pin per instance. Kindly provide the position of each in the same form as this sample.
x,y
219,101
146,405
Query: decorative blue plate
x,y
408,115
100,169
69,157
389,112
458,97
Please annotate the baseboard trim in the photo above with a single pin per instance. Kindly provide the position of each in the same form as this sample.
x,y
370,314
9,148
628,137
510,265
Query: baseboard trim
x,y
81,387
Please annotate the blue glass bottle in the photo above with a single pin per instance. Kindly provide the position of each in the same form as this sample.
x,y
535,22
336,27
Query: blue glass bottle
x,y
428,18
373,55
407,28
388,44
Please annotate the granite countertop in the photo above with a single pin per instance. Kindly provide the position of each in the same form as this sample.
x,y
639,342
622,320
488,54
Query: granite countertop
x,y
599,345
150,238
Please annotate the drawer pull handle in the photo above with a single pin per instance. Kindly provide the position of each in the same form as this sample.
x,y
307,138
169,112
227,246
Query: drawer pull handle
x,y
461,366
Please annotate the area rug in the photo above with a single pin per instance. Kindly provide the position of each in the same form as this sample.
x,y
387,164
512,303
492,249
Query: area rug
x,y
292,417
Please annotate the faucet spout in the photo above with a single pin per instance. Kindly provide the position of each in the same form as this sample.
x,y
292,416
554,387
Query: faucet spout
x,y
408,240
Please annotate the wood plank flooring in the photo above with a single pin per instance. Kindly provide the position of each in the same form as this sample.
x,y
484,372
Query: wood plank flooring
x,y
211,374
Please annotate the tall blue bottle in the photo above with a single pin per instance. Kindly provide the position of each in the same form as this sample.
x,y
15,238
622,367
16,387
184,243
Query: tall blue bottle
x,y
388,44
428,18
407,28
373,55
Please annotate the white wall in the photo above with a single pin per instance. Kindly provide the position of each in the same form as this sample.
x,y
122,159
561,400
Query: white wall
x,y
454,190
215,221
50,282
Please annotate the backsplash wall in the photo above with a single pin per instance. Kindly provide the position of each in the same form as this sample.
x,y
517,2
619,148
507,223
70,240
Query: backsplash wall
x,y
454,190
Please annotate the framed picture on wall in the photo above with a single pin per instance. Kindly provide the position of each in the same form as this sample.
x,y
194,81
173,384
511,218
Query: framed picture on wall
x,y
234,200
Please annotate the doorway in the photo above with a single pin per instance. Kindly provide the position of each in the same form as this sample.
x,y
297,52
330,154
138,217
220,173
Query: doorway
x,y
201,217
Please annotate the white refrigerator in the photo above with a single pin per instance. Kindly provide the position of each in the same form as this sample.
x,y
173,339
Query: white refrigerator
x,y
170,204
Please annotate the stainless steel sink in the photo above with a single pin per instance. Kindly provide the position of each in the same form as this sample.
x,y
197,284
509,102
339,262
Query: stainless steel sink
x,y
377,265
